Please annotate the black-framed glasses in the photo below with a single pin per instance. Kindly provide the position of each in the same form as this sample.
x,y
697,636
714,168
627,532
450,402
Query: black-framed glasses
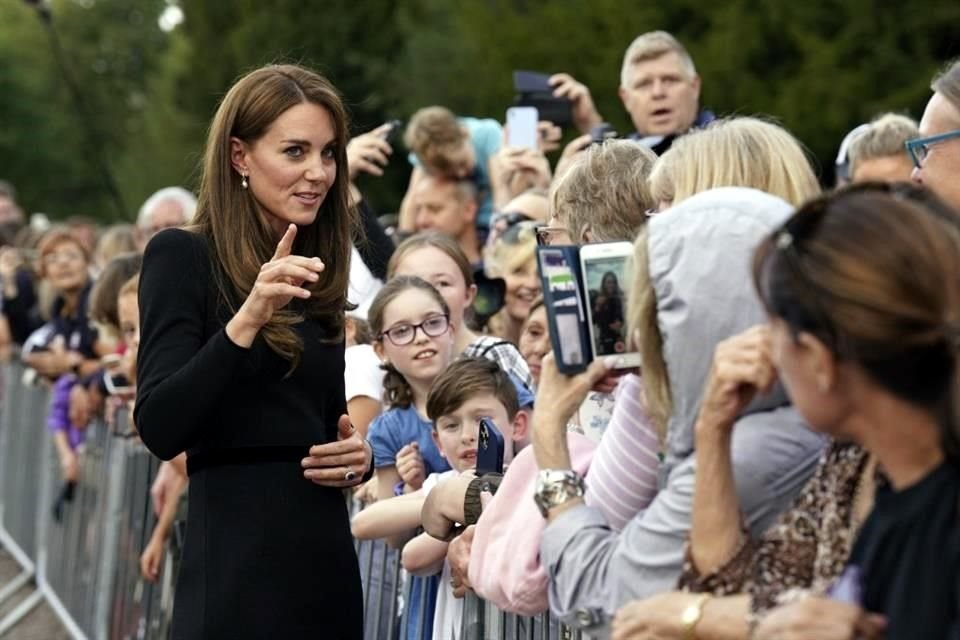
x,y
918,148
403,334
545,234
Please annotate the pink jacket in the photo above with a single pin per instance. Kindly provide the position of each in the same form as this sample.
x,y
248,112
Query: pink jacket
x,y
505,556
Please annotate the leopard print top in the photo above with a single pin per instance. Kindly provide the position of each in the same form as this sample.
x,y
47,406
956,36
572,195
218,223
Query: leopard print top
x,y
806,549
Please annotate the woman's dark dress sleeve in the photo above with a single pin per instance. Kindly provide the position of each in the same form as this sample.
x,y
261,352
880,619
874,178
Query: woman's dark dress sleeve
x,y
182,377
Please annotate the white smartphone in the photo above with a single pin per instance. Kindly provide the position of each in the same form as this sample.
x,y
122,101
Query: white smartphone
x,y
607,271
522,127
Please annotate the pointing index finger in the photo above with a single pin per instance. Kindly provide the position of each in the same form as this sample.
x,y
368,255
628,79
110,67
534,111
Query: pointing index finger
x,y
285,246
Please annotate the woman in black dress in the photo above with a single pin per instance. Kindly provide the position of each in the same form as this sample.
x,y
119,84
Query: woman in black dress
x,y
241,366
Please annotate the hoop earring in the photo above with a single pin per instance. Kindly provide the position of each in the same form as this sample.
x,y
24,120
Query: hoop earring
x,y
243,182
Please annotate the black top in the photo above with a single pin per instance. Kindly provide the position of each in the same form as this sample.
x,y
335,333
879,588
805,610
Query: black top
x,y
909,557
22,312
267,553
197,391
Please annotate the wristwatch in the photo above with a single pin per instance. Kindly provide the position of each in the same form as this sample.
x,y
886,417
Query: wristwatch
x,y
691,616
555,487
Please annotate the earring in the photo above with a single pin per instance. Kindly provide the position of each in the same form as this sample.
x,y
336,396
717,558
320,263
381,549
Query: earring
x,y
243,182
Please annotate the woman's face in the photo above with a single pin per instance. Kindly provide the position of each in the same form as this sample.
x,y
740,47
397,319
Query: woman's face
x,y
129,315
439,269
424,357
523,286
65,267
610,286
806,370
535,341
292,166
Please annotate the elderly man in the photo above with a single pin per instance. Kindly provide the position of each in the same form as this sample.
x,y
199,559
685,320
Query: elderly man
x,y
936,154
450,207
168,207
659,88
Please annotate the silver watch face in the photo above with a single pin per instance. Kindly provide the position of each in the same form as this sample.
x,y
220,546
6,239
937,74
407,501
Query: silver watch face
x,y
554,487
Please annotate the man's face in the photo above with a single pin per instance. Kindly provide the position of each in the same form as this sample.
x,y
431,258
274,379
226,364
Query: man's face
x,y
942,163
9,211
884,169
437,208
660,96
167,214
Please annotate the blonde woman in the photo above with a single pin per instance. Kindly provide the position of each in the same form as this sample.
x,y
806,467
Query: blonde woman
x,y
734,152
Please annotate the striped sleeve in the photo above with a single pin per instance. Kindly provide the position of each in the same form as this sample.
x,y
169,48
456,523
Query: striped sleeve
x,y
622,479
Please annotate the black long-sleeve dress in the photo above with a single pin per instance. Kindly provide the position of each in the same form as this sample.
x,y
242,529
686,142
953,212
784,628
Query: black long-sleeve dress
x,y
268,554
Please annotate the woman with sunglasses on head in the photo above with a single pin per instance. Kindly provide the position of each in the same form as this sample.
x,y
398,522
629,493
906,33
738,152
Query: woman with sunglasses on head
x,y
863,295
512,256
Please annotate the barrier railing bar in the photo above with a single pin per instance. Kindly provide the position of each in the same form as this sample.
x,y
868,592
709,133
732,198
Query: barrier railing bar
x,y
20,611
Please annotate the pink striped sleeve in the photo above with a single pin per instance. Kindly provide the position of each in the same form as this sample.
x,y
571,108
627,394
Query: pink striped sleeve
x,y
622,479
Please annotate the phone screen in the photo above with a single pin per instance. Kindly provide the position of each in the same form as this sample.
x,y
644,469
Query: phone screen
x,y
606,282
522,127
565,304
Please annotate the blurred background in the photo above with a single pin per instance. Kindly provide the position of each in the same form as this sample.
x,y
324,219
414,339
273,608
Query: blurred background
x,y
104,101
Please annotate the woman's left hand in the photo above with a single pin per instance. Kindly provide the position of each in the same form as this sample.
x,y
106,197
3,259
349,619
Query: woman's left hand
x,y
817,617
342,463
658,616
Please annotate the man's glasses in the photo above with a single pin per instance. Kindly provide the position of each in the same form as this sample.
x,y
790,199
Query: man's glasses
x,y
545,234
403,334
918,148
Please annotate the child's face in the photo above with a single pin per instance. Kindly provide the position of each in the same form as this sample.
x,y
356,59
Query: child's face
x,y
535,341
129,314
424,357
439,269
456,433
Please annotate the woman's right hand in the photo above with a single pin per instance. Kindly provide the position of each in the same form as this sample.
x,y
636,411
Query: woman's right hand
x,y
817,617
280,280
742,368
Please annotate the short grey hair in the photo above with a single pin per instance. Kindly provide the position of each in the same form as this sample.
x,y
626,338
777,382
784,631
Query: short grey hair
x,y
186,200
649,46
885,136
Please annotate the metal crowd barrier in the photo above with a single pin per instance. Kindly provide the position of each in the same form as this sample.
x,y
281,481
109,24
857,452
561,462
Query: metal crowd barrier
x,y
388,589
84,565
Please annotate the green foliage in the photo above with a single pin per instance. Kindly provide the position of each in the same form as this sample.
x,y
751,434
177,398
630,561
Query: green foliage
x,y
820,68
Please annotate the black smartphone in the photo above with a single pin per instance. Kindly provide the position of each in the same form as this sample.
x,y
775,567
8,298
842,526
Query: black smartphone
x,y
489,448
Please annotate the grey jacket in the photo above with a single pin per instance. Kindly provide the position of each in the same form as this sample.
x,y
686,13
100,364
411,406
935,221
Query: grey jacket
x,y
700,253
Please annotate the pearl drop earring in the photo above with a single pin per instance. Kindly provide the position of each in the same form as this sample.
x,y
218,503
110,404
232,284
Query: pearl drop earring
x,y
243,182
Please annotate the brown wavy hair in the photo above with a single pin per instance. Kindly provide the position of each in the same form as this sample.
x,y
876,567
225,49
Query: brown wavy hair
x,y
240,238
396,390
872,272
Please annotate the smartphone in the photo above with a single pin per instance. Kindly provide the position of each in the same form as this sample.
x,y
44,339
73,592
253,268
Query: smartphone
x,y
601,132
522,127
559,278
489,448
606,270
394,127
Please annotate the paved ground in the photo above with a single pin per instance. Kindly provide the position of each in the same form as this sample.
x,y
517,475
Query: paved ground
x,y
41,623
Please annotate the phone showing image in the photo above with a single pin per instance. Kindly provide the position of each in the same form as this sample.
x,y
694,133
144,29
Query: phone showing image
x,y
522,127
606,269
559,278
489,448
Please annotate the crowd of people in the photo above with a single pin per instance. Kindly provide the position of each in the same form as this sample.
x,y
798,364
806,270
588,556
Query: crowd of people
x,y
784,464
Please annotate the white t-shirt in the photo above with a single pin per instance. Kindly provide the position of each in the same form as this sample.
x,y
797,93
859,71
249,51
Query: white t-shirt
x,y
363,285
362,375
448,615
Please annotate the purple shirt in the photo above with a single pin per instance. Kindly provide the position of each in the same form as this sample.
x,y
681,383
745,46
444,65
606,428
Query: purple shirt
x,y
58,419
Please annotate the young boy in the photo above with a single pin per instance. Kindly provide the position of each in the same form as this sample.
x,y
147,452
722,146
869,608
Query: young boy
x,y
467,391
